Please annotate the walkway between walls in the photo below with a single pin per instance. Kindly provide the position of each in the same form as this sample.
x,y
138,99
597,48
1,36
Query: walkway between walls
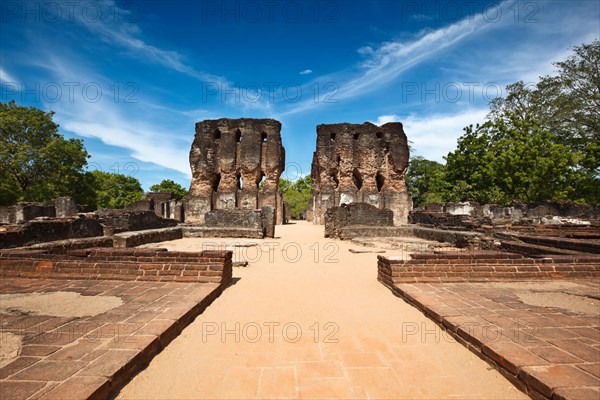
x,y
308,319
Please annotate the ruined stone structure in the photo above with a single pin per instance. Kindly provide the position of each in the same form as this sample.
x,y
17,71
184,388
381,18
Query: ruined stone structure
x,y
360,164
230,160
357,215
166,205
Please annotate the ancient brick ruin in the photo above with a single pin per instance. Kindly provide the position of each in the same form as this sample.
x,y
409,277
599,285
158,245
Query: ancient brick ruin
x,y
236,164
360,164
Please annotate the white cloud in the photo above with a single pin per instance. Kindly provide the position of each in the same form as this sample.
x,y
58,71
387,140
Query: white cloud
x,y
384,119
390,59
112,31
433,136
6,77
530,56
306,72
153,137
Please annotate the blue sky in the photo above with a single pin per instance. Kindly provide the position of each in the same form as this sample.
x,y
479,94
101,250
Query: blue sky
x,y
131,78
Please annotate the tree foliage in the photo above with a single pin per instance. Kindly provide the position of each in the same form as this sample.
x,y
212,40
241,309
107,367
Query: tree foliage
x,y
505,160
425,181
568,107
540,142
36,162
168,185
297,194
116,190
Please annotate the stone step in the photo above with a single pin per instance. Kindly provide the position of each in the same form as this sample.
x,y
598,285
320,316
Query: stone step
x,y
205,231
529,249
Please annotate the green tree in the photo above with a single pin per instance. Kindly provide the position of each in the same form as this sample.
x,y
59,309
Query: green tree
x,y
168,185
425,181
36,162
297,194
568,106
116,190
510,158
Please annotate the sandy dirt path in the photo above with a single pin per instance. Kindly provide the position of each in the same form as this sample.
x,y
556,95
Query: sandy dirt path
x,y
308,319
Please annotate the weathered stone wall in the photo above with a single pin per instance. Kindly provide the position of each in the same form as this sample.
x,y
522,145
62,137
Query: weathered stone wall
x,y
28,211
229,160
262,220
483,266
123,220
166,205
61,207
140,205
156,265
39,231
8,215
472,215
355,214
360,163
65,207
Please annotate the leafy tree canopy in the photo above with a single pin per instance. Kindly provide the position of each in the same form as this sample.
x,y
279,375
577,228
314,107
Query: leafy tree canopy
x,y
297,194
540,142
116,190
36,162
168,185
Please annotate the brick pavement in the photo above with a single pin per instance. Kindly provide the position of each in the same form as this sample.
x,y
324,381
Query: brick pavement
x,y
93,357
547,352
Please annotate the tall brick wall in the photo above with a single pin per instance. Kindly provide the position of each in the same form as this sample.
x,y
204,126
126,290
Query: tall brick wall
x,y
360,164
230,159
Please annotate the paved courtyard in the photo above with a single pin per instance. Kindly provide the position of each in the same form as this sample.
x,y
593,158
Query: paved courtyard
x,y
308,319
76,339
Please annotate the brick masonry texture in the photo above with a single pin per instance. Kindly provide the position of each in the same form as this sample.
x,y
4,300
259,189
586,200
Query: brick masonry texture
x,y
356,163
229,160
547,352
120,264
93,357
484,266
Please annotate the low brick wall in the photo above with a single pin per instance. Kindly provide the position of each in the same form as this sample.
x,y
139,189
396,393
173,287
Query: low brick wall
x,y
483,267
213,266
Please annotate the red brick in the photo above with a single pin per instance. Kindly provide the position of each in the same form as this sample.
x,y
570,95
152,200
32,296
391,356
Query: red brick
x,y
574,393
579,349
19,390
554,355
592,368
545,379
49,371
16,366
511,356
38,350
110,363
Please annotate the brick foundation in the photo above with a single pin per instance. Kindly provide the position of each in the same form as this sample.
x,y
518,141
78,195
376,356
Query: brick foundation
x,y
153,265
483,266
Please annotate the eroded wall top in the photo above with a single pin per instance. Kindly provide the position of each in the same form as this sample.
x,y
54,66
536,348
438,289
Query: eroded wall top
x,y
361,163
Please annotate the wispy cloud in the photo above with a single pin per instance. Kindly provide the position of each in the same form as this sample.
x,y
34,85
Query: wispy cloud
x,y
6,77
390,59
306,72
127,34
151,137
385,63
432,136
